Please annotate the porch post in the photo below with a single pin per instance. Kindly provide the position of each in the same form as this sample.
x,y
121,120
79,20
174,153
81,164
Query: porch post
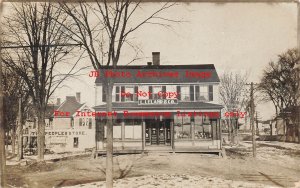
x,y
219,131
123,132
214,130
172,135
193,132
143,135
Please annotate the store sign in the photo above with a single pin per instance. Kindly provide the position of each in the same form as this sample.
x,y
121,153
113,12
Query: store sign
x,y
60,133
157,101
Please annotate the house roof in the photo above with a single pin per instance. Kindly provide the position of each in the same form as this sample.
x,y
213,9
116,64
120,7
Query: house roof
x,y
195,105
70,105
50,109
162,74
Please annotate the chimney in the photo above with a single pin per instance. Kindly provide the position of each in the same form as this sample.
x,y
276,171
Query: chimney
x,y
78,97
156,58
149,63
58,101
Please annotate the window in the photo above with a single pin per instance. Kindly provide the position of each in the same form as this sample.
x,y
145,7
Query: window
x,y
80,121
103,94
156,90
129,90
182,127
185,93
201,93
90,123
210,93
128,93
72,122
75,142
118,93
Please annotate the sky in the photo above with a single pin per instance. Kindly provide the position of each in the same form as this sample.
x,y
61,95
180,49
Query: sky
x,y
240,37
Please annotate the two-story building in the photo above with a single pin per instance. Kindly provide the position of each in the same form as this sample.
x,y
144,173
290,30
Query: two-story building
x,y
174,106
70,126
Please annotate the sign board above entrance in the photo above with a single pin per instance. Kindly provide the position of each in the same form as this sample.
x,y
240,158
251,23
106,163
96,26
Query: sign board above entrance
x,y
157,101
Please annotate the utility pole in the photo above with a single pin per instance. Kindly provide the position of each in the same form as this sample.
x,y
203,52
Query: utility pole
x,y
20,132
256,119
298,65
252,120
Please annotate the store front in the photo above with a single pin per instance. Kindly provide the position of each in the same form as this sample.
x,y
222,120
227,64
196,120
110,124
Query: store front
x,y
175,107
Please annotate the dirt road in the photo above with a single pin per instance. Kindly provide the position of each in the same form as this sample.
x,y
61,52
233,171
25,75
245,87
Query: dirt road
x,y
275,166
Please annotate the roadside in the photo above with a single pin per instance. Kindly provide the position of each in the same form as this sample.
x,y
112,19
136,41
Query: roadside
x,y
276,165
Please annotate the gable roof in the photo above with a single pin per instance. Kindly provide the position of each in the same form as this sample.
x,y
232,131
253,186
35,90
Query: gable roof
x,y
161,74
50,109
69,105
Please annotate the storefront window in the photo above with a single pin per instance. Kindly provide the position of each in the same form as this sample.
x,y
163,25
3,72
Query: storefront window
x,y
202,128
133,128
182,127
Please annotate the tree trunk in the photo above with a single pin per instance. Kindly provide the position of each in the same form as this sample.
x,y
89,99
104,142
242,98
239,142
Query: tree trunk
x,y
232,131
41,135
2,136
13,142
20,133
109,137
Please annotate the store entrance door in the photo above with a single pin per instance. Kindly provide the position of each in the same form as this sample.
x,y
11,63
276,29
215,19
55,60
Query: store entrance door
x,y
158,132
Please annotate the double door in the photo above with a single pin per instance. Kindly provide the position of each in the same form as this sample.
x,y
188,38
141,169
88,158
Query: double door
x,y
158,132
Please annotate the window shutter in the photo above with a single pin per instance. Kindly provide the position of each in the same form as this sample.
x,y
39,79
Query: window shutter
x,y
197,88
103,94
210,93
117,93
192,93
135,94
122,93
164,89
150,92
178,93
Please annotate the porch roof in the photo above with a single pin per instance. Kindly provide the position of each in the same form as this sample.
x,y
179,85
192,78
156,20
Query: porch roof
x,y
194,105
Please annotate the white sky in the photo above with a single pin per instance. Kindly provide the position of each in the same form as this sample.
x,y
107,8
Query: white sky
x,y
239,36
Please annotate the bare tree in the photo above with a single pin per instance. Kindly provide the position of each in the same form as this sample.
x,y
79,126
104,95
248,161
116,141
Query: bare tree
x,y
2,135
280,84
36,44
14,88
232,94
104,40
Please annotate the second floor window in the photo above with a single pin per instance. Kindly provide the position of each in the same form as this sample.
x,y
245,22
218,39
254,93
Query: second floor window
x,y
185,93
156,90
126,93
204,93
129,91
